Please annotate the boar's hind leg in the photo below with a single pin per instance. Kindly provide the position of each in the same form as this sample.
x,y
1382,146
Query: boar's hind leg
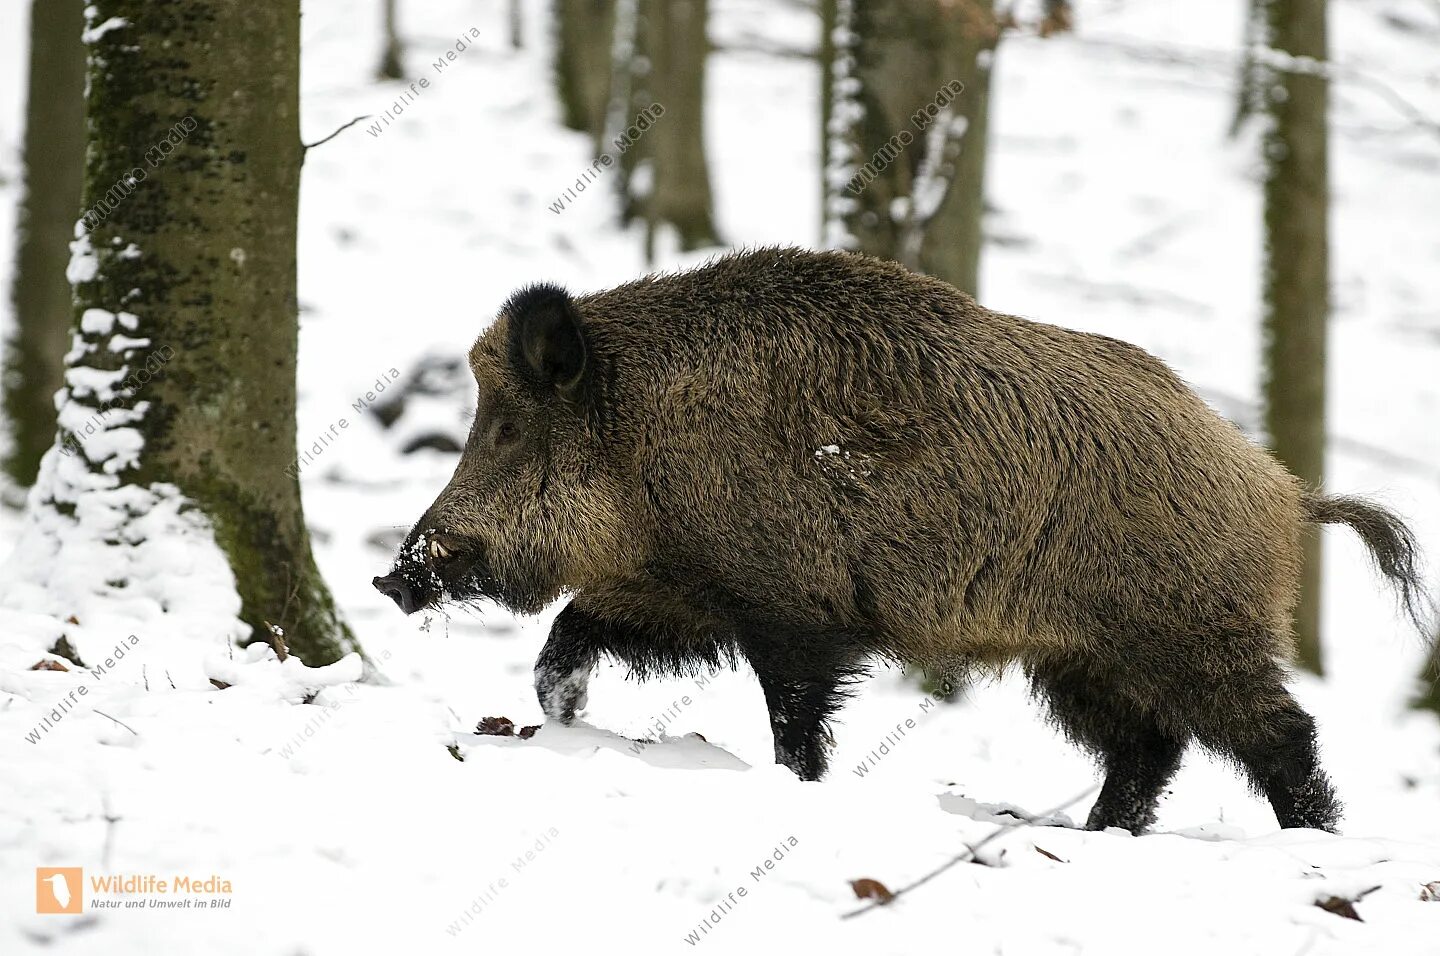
x,y
1260,726
1137,755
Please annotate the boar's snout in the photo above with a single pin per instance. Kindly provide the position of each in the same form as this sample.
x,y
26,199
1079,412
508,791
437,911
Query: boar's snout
x,y
431,565
402,592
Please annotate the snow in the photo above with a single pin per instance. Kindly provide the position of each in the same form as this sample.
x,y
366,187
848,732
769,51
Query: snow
x,y
347,823
92,34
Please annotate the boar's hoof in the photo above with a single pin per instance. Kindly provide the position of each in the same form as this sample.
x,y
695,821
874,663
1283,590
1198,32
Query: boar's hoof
x,y
562,694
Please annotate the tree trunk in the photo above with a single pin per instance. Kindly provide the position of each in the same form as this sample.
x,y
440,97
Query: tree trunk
x,y
392,60
192,183
629,92
950,248
517,25
584,34
1429,698
54,162
916,124
829,19
1297,277
677,47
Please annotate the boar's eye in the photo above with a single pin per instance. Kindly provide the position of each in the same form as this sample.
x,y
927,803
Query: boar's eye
x,y
506,433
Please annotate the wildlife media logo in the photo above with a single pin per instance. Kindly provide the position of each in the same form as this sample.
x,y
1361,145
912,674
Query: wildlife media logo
x,y
59,889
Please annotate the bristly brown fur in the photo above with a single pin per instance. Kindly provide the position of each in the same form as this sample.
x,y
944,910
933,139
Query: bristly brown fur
x,y
811,459
1391,543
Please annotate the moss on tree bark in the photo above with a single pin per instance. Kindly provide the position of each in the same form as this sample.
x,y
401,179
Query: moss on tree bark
x,y
1297,276
194,111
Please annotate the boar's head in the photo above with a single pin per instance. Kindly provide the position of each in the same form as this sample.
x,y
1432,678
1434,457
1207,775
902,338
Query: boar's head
x,y
534,508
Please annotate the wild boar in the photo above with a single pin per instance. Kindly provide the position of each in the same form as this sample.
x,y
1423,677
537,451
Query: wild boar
x,y
814,460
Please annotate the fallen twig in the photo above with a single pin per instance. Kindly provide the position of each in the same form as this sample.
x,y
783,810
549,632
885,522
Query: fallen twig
x,y
969,853
120,722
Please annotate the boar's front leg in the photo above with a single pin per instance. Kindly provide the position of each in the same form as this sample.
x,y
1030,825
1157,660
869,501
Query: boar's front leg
x,y
562,671
578,638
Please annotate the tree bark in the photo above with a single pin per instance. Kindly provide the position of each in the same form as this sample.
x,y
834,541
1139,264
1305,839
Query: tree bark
x,y
1297,277
950,248
919,70
584,35
1429,698
192,185
677,47
54,157
392,60
829,19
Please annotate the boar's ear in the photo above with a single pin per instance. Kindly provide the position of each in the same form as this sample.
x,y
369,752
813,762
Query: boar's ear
x,y
547,344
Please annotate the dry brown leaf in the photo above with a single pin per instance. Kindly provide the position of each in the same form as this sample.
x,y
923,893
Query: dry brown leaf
x,y
528,731
868,889
49,666
1430,892
1340,907
1345,907
219,684
1046,853
495,727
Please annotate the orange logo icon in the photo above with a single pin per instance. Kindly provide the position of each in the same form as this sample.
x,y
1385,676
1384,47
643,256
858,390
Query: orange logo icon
x,y
58,889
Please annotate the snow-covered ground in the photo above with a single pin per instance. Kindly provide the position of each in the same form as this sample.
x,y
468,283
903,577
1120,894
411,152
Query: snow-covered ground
x,y
348,824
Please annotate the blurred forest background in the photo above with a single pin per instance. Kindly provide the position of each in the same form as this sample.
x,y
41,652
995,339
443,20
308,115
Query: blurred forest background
x,y
907,106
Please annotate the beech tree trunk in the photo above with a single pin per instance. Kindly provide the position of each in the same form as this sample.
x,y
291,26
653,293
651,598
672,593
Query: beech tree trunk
x,y
1429,698
584,36
192,186
392,59
1297,275
916,117
54,158
829,17
950,244
677,47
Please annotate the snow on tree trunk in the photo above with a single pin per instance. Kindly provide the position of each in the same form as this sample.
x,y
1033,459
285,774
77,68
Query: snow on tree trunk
x,y
908,131
178,415
626,92
668,181
54,159
1296,277
829,20
951,233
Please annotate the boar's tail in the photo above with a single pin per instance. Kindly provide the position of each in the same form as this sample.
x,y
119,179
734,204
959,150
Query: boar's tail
x,y
1391,542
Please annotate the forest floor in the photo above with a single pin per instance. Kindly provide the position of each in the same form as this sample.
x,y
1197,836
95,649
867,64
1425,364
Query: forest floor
x,y
348,824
